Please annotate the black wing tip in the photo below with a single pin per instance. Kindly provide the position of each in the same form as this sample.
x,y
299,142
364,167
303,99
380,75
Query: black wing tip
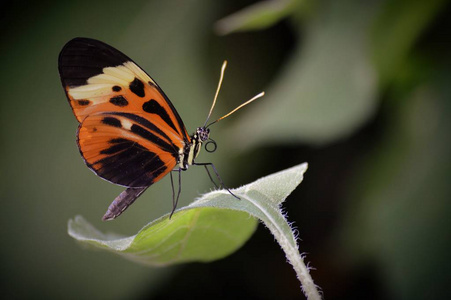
x,y
70,44
78,43
82,58
84,41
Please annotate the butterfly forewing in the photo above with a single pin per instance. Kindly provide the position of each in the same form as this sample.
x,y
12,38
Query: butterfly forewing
x,y
129,132
97,78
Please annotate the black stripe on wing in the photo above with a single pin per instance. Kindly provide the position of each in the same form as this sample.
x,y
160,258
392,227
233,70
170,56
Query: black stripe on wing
x,y
153,107
129,164
152,127
186,137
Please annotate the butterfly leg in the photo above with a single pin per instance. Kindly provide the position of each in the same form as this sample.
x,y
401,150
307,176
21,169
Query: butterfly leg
x,y
217,176
211,178
172,185
175,199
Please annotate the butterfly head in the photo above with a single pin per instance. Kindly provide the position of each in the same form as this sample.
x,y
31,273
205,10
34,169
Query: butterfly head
x,y
203,133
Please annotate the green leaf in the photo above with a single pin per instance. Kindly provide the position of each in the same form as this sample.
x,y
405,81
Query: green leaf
x,y
210,228
202,234
257,16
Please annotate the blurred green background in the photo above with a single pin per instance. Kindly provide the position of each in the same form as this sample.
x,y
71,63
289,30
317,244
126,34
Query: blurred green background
x,y
359,89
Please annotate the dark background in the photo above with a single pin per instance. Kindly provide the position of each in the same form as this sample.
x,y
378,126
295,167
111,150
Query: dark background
x,y
360,91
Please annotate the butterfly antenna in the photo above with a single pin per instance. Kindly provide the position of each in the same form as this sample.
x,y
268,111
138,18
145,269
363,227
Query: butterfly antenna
x,y
224,65
244,104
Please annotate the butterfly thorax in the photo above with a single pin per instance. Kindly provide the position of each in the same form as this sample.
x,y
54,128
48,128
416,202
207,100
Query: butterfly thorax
x,y
191,150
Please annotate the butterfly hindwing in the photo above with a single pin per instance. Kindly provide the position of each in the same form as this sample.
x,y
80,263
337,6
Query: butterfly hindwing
x,y
120,148
129,133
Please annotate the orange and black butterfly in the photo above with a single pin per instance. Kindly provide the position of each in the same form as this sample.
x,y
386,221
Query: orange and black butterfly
x,y
129,134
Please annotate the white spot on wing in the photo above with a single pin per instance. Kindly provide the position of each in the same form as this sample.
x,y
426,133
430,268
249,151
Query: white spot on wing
x,y
126,124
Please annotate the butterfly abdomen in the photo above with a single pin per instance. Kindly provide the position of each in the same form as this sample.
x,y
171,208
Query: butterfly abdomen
x,y
122,202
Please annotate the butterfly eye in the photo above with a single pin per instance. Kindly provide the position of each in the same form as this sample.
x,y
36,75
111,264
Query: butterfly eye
x,y
211,146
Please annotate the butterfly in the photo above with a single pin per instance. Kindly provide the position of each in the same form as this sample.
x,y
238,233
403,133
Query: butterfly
x,y
129,132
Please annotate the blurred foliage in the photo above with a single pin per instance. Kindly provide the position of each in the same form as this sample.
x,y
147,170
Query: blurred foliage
x,y
399,214
328,83
395,31
360,90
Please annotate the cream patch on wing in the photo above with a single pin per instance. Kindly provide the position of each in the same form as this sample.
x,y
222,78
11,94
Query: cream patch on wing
x,y
100,86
